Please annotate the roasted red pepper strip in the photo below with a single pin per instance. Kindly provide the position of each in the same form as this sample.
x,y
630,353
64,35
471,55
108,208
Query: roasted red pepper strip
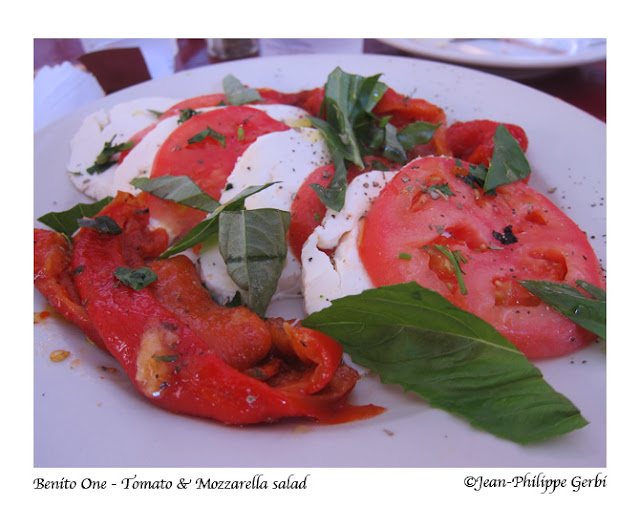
x,y
405,110
173,366
472,141
53,278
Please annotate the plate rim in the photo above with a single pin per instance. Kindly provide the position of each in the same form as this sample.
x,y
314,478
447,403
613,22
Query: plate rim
x,y
489,61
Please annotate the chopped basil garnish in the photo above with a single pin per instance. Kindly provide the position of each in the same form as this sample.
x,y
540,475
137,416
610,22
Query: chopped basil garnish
x,y
165,358
105,224
415,338
186,114
590,313
436,191
180,189
105,159
66,222
207,132
135,278
455,257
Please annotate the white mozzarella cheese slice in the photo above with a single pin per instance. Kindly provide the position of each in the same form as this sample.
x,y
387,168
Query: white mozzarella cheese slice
x,y
123,121
325,279
117,125
288,157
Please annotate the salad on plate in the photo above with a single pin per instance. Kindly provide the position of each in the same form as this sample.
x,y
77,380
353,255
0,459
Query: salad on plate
x,y
416,247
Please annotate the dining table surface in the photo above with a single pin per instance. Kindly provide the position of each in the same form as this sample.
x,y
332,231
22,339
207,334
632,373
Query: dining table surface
x,y
582,85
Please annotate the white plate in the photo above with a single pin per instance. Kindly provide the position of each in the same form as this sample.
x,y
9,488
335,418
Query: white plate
x,y
88,415
507,53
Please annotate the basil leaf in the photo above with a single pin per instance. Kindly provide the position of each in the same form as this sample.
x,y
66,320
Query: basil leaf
x,y
236,93
455,257
135,278
348,102
208,228
417,133
180,189
104,159
333,195
207,132
187,114
101,223
66,222
508,162
592,290
590,314
414,337
254,247
393,148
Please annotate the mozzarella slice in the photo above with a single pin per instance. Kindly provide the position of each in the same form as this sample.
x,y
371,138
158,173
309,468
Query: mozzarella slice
x,y
123,121
119,123
324,278
287,157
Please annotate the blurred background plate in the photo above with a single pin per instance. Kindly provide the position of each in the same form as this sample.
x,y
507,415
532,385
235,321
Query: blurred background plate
x,y
538,53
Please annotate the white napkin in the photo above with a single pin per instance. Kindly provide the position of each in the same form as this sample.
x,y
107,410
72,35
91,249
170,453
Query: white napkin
x,y
60,90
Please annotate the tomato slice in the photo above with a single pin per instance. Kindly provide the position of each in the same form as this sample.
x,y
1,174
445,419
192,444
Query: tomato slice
x,y
472,141
198,102
309,100
209,161
409,224
308,211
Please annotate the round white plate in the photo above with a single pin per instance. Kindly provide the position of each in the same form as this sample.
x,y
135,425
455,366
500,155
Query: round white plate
x,y
88,415
507,53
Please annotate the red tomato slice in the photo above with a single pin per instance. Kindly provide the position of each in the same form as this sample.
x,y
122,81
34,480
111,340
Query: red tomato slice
x,y
472,141
307,211
198,102
406,222
210,161
307,99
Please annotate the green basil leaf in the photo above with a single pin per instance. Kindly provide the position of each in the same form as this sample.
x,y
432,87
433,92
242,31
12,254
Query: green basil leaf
x,y
455,258
208,228
349,127
417,133
253,245
66,222
207,132
104,160
589,313
508,162
180,189
594,291
186,114
105,224
237,93
135,278
413,337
